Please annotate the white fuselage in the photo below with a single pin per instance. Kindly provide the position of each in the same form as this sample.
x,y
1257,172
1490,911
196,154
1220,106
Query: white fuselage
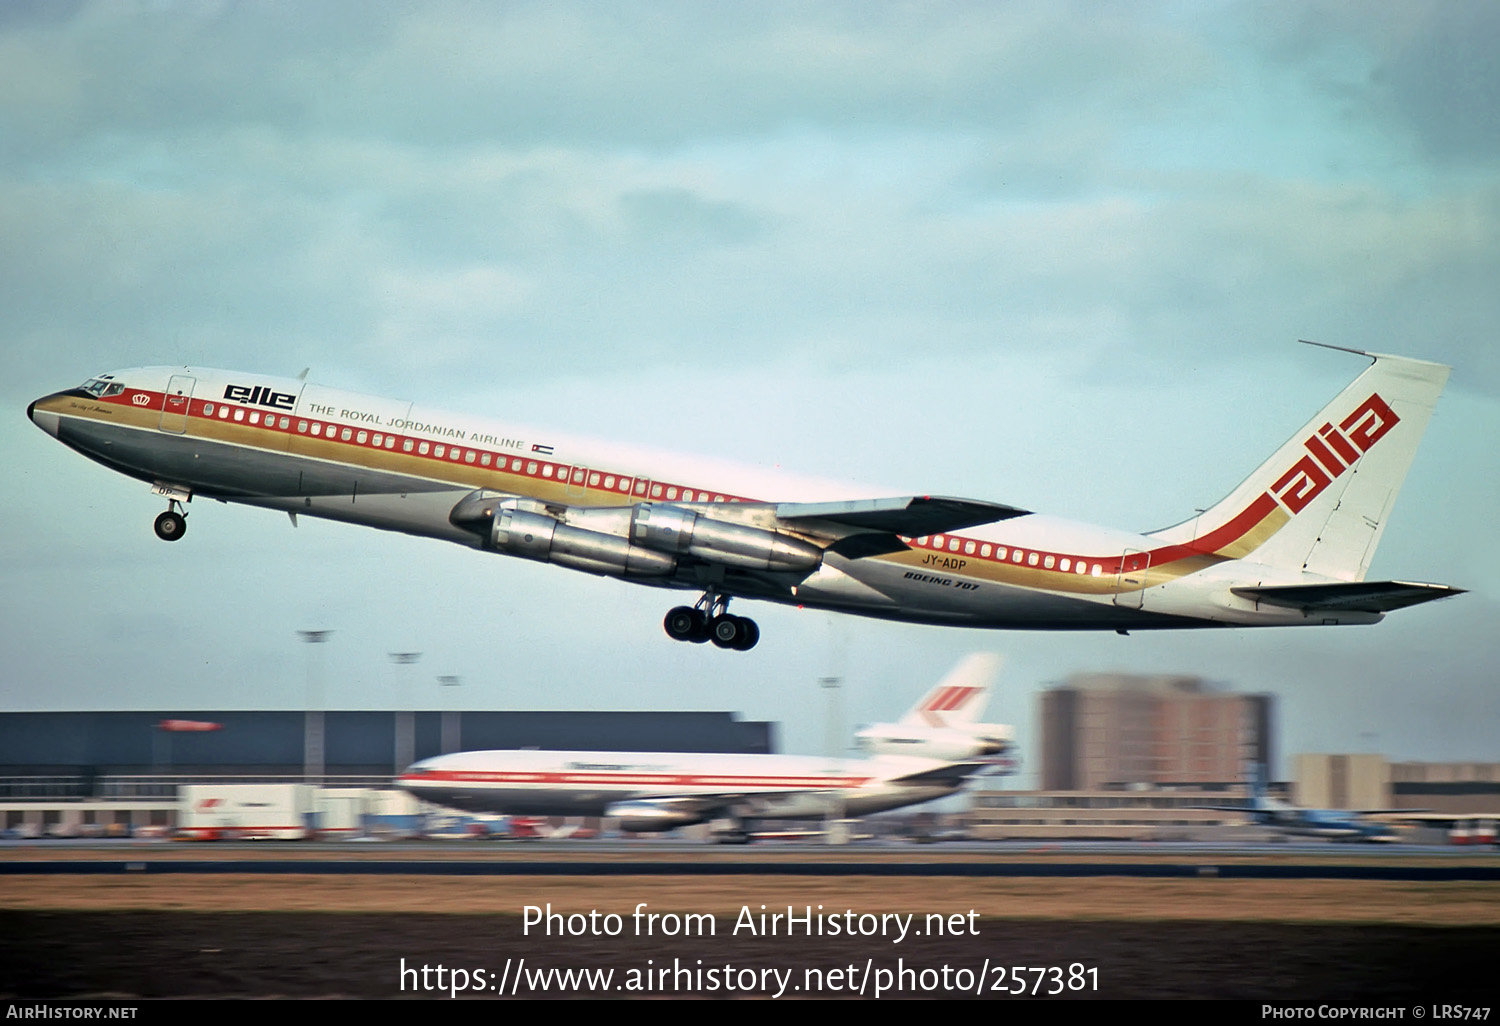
x,y
542,783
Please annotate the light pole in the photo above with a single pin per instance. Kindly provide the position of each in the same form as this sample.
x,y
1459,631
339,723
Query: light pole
x,y
452,730
835,717
312,716
835,829
406,734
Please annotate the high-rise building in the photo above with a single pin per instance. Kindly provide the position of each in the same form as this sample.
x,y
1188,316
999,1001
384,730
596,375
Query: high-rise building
x,y
1102,730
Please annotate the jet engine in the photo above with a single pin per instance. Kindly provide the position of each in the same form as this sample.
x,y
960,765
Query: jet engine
x,y
644,540
947,743
549,539
673,529
650,818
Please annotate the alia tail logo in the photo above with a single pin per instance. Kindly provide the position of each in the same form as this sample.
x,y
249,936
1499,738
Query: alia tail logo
x,y
1331,451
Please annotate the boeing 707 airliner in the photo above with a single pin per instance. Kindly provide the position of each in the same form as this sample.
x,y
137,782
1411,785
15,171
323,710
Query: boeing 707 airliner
x,y
1290,545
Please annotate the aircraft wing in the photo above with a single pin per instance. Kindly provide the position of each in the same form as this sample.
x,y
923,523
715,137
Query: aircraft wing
x,y
870,527
911,515
1354,596
1227,808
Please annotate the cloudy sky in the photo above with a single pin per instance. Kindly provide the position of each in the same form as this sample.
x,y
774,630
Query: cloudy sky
x,y
1054,255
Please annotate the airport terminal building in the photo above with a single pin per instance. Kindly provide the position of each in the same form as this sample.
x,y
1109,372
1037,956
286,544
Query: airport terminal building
x,y
83,771
354,743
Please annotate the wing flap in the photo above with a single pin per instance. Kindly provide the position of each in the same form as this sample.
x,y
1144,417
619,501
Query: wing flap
x,y
1354,596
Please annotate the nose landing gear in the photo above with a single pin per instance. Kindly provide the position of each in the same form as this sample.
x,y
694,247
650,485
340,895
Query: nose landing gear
x,y
172,524
709,620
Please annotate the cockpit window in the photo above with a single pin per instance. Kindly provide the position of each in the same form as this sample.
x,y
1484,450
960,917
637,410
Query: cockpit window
x,y
103,387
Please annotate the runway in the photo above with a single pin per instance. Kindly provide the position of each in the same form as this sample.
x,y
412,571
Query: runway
x,y
1276,922
472,867
658,858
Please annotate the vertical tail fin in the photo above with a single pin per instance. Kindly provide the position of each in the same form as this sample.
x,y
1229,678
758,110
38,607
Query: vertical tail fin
x,y
1256,785
1320,502
959,697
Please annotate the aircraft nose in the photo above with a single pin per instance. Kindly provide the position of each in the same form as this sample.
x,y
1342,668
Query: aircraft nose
x,y
42,418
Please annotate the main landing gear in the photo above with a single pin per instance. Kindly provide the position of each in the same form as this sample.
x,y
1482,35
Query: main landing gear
x,y
710,620
172,524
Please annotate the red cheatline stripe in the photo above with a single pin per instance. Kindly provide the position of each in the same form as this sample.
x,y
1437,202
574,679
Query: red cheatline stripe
x,y
644,779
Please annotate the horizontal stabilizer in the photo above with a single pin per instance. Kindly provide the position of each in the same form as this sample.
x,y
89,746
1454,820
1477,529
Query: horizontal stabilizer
x,y
949,773
1357,597
910,515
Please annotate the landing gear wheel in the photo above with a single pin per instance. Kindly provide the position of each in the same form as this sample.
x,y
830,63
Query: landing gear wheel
x,y
736,632
710,620
684,623
170,525
749,635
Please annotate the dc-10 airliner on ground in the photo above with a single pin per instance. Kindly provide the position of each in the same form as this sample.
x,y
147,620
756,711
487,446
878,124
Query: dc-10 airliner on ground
x,y
930,754
1290,545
